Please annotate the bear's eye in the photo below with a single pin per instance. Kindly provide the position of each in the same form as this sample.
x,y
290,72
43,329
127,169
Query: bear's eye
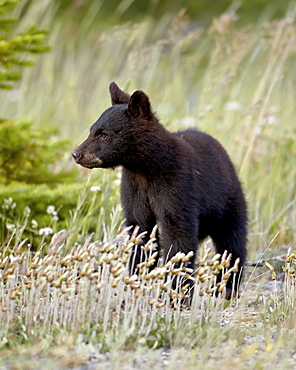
x,y
104,136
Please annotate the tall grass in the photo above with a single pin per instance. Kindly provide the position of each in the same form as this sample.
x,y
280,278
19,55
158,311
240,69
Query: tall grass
x,y
84,300
90,286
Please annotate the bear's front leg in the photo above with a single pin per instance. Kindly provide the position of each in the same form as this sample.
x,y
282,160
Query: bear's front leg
x,y
137,212
179,239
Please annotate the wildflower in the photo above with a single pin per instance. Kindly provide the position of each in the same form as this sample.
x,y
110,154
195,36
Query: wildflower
x,y
268,120
233,106
46,231
272,120
95,189
10,227
27,211
51,210
34,224
9,203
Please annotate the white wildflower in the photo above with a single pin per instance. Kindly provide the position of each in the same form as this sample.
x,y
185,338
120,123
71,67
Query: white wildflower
x,y
95,189
34,224
268,120
51,210
27,211
233,106
272,120
10,227
9,203
46,231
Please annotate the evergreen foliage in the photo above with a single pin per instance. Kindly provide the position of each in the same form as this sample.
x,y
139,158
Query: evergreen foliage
x,y
15,51
27,154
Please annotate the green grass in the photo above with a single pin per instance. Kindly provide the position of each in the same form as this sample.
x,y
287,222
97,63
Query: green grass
x,y
237,84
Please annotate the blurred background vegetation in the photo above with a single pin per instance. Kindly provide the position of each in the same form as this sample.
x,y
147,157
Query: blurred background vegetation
x,y
225,67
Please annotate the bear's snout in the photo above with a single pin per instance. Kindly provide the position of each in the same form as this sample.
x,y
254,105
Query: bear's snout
x,y
76,155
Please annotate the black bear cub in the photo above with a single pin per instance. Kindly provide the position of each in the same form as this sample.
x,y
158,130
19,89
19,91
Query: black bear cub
x,y
185,180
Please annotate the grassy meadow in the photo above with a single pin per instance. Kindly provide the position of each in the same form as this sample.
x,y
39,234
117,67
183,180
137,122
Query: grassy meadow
x,y
69,302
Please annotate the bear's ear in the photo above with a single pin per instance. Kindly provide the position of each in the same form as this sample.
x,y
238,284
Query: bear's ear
x,y
139,105
118,96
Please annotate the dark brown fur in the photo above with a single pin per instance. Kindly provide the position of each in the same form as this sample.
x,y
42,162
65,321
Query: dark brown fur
x,y
185,180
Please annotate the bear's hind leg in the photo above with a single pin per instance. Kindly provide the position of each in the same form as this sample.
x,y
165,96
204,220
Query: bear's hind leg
x,y
232,236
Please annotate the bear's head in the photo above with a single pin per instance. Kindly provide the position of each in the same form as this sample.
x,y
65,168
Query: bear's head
x,y
115,137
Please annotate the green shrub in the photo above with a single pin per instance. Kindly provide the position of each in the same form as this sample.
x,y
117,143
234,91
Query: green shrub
x,y
27,209
29,157
26,154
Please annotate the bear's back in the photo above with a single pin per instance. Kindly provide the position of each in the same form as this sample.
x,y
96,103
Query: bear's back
x,y
210,158
196,138
204,145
